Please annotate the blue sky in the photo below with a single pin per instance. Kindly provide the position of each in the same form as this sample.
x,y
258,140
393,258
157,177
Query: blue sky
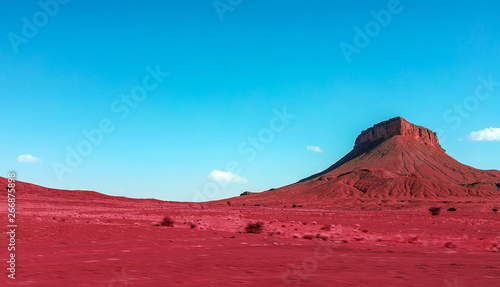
x,y
229,95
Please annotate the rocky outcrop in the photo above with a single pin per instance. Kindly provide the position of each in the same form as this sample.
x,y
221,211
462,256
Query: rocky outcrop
x,y
393,160
397,126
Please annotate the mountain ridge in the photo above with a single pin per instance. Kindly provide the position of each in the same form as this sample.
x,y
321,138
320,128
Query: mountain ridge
x,y
392,159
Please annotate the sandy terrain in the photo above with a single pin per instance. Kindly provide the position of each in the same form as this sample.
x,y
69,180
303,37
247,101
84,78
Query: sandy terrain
x,y
78,238
365,221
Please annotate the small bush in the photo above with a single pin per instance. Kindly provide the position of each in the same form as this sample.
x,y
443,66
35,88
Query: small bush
x,y
435,210
228,203
254,227
167,222
452,209
322,237
308,236
295,205
450,245
495,209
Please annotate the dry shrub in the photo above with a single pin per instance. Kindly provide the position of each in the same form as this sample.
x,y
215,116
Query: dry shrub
x,y
435,210
167,222
254,227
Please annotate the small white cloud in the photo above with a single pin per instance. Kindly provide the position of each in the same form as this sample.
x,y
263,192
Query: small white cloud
x,y
28,158
225,176
491,134
314,148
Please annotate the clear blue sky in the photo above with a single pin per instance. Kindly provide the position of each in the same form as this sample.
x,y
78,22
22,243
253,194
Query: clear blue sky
x,y
230,68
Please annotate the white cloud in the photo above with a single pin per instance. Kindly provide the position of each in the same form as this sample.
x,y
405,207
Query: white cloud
x,y
314,148
28,158
225,176
491,134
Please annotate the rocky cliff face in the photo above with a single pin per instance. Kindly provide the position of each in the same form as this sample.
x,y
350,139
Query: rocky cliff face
x,y
393,160
397,126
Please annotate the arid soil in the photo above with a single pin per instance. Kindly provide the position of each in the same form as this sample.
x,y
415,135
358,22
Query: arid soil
x,y
395,211
81,238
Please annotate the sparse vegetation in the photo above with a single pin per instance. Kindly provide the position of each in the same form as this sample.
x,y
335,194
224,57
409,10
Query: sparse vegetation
x,y
167,221
308,236
254,227
322,237
326,227
450,245
435,210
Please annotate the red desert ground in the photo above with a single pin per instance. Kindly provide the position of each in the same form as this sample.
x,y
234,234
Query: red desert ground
x,y
395,211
